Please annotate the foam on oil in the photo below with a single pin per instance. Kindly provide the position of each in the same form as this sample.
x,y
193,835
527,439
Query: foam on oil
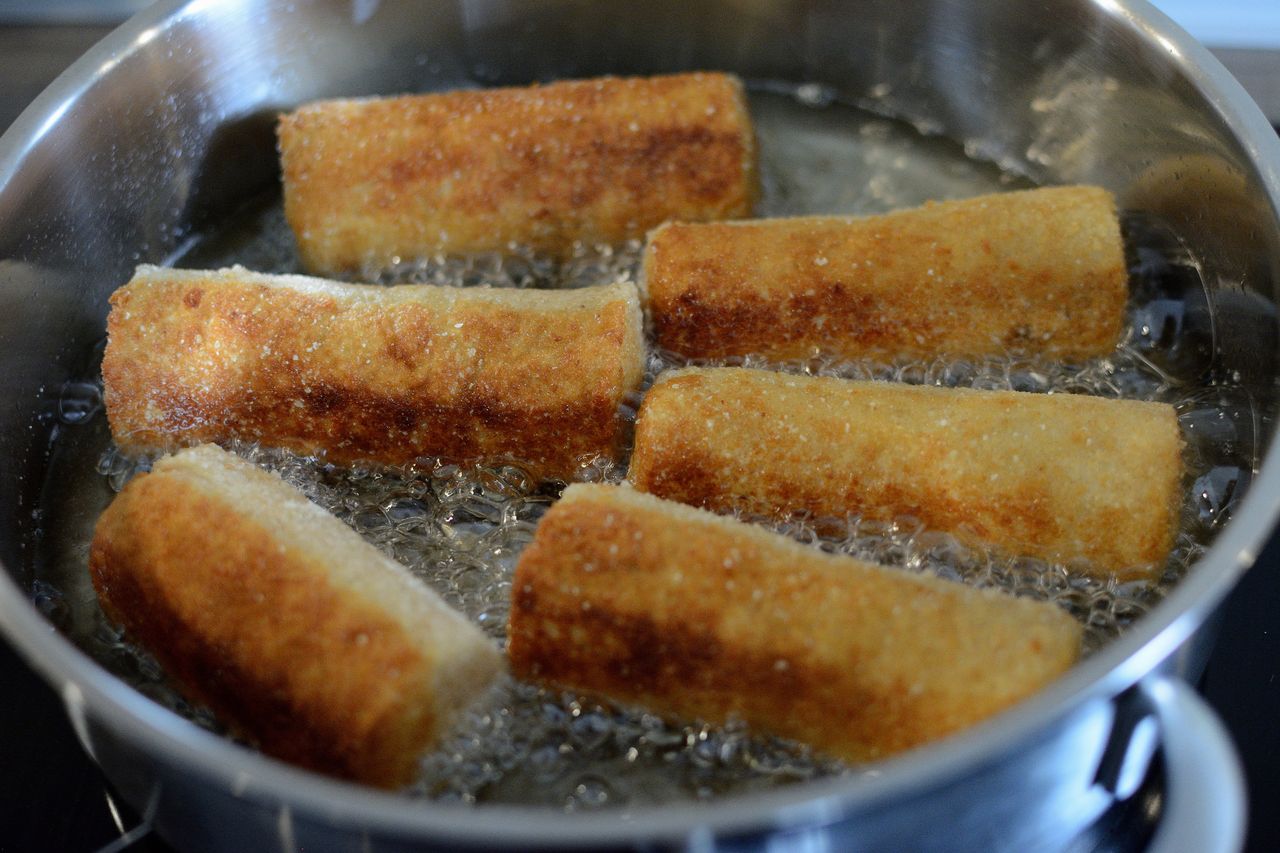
x,y
461,531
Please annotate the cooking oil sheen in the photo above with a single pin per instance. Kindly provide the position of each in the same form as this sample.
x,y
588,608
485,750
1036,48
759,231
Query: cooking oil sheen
x,y
461,530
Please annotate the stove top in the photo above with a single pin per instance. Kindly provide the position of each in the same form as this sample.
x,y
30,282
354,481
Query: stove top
x,y
52,797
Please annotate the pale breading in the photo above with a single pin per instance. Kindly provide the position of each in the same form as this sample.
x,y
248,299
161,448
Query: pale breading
x,y
647,601
294,630
1056,476
596,161
368,373
1034,272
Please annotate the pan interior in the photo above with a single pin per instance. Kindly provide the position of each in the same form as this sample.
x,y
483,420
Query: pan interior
x,y
461,531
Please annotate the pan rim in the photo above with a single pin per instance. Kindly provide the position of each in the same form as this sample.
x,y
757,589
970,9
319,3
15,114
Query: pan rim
x,y
236,769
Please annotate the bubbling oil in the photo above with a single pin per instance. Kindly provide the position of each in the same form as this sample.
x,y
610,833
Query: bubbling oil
x,y
461,530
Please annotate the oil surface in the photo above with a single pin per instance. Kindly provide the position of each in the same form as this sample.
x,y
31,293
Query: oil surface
x,y
461,530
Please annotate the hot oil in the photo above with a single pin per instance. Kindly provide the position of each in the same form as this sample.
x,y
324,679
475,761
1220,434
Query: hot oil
x,y
461,531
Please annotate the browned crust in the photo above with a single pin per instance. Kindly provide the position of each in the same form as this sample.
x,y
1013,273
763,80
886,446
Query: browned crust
x,y
1052,476
647,601
598,161
256,628
371,374
1039,271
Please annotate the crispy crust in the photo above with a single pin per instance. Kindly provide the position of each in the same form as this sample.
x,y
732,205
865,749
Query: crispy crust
x,y
1052,476
598,161
370,373
294,630
648,601
1039,271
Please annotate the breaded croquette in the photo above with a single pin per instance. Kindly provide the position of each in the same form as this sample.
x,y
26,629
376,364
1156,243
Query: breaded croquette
x,y
1037,272
1056,476
367,373
295,631
592,161
647,601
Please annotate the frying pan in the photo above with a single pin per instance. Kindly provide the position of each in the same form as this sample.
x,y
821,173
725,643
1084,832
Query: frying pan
x,y
165,128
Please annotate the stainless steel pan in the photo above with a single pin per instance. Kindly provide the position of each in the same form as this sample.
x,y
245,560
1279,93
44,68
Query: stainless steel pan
x,y
166,126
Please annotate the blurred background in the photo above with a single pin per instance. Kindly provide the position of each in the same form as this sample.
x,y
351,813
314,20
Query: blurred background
x,y
52,796
1245,35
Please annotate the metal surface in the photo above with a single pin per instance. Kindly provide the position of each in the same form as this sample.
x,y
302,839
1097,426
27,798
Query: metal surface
x,y
1205,799
166,126
79,12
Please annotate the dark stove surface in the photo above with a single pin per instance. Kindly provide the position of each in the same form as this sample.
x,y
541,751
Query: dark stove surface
x,y
53,798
